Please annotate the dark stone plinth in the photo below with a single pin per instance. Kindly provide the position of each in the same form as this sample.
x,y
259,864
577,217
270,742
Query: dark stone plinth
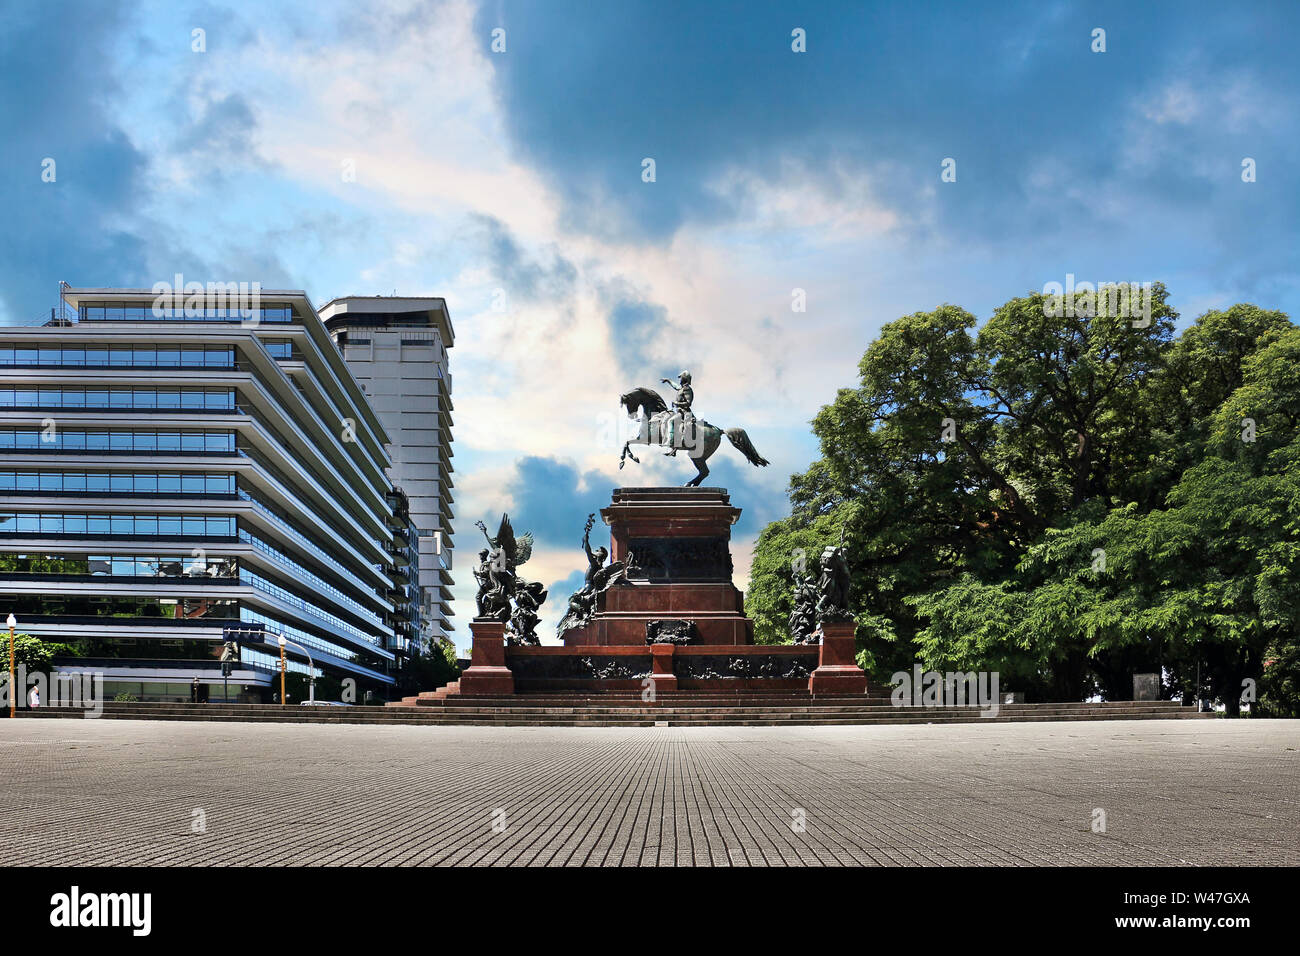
x,y
487,673
838,671
780,667
1146,686
580,666
746,666
698,518
670,631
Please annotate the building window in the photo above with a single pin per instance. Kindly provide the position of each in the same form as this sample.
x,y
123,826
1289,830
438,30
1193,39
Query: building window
x,y
103,312
118,483
191,399
104,356
97,525
206,442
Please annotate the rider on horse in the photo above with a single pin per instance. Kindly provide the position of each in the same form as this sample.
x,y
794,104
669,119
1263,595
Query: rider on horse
x,y
682,412
684,429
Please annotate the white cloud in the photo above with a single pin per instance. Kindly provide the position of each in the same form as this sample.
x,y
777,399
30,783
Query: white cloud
x,y
407,95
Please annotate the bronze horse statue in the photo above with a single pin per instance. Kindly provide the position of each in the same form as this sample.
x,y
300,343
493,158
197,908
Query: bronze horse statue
x,y
698,437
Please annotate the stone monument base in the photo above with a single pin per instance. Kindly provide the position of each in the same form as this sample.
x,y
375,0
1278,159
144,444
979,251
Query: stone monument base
x,y
837,668
487,674
676,545
674,622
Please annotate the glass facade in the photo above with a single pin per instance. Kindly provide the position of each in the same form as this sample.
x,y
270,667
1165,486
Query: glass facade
x,y
117,312
46,523
118,440
291,537
302,574
66,608
104,356
190,399
117,482
300,538
123,565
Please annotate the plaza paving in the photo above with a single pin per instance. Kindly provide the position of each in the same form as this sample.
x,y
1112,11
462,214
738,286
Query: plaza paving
x,y
86,792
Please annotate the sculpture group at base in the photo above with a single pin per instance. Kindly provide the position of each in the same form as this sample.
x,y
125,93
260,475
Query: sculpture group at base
x,y
599,576
823,601
677,623
503,596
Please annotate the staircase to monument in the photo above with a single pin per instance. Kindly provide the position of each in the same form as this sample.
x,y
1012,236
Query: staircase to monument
x,y
626,709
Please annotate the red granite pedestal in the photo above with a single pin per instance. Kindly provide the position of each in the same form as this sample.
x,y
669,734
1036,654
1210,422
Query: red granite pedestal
x,y
679,542
487,674
661,672
837,670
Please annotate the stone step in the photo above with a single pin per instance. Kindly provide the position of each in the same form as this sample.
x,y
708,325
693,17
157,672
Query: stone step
x,y
671,698
818,706
629,718
533,706
600,721
804,708
480,706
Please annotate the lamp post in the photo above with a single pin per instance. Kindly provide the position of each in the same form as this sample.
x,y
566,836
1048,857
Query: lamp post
x,y
311,669
227,657
13,700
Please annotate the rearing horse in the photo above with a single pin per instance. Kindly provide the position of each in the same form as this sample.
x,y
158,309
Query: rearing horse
x,y
706,439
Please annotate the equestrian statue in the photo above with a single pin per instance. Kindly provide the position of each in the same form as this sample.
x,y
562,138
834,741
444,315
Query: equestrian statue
x,y
678,429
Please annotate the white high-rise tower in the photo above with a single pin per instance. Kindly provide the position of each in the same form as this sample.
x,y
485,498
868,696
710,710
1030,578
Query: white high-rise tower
x,y
397,348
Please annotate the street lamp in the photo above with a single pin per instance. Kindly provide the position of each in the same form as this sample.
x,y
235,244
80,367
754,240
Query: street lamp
x,y
13,700
282,642
311,669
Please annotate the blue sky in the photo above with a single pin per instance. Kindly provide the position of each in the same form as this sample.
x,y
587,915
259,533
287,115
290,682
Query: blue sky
x,y
514,179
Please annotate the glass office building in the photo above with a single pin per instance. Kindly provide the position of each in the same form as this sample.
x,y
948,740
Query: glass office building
x,y
171,478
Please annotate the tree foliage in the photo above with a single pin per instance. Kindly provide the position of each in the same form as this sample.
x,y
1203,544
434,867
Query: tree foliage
x,y
31,653
1067,499
433,667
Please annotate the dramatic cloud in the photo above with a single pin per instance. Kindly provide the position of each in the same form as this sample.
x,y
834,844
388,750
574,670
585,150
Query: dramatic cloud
x,y
73,180
797,203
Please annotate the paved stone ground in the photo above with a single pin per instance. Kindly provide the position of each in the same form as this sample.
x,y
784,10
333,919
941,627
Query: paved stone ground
x,y
85,792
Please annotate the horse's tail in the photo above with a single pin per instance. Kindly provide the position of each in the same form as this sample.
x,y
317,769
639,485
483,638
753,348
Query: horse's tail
x,y
746,447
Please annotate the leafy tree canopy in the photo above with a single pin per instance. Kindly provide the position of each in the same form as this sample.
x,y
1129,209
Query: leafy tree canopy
x,y
1067,499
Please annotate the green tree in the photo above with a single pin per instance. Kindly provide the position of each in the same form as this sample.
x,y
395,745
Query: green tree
x,y
1066,499
431,669
31,653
